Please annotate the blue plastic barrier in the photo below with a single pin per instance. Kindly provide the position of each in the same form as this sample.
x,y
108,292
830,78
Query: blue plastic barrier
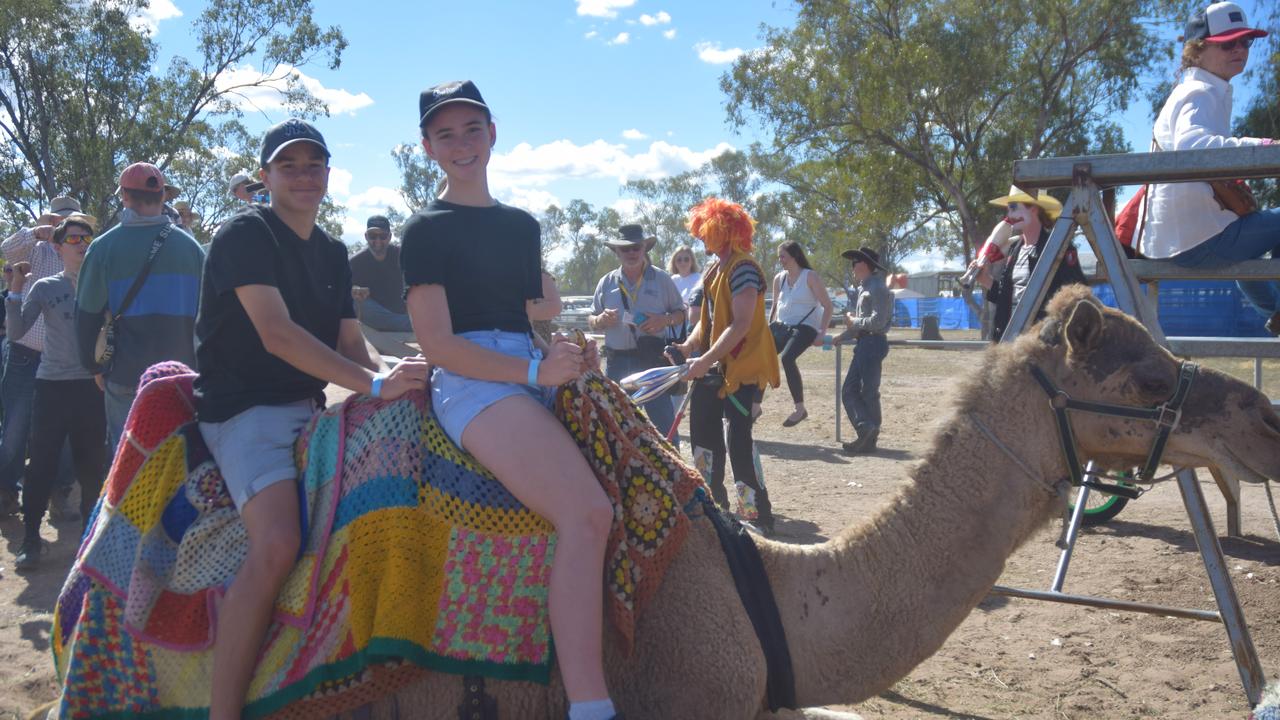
x,y
1195,308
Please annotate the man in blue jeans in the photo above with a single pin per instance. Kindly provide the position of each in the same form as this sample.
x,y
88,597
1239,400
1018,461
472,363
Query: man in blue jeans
x,y
868,323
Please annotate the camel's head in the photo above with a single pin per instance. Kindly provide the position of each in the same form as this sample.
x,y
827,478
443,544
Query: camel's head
x,y
1101,355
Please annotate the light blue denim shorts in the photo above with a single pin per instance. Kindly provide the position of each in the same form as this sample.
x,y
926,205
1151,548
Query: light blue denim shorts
x,y
254,449
457,399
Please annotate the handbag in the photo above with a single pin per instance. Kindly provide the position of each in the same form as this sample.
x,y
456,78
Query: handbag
x,y
782,332
1235,196
104,349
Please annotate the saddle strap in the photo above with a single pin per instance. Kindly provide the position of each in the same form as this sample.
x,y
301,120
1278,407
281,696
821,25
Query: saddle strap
x,y
757,599
476,703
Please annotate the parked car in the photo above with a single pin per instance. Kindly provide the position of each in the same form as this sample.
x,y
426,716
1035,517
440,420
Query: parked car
x,y
574,310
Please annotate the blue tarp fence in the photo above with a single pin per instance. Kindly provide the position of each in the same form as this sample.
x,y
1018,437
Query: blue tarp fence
x,y
1196,308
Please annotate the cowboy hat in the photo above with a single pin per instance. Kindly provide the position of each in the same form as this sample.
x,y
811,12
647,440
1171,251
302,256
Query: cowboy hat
x,y
631,236
866,255
1045,201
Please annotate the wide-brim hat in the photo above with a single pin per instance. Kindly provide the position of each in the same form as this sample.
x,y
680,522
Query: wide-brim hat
x,y
77,218
1044,201
866,255
631,236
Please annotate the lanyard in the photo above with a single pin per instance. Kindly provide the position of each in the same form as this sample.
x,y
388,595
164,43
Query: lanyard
x,y
626,295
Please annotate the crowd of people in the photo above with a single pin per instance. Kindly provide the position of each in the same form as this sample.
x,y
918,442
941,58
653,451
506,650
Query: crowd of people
x,y
269,315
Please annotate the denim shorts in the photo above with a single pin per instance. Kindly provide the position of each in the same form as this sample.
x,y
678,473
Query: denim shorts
x,y
254,449
457,399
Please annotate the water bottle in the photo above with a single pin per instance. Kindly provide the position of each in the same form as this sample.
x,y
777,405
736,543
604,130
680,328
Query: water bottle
x,y
826,342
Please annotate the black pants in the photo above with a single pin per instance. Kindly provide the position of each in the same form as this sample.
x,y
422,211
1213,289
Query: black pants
x,y
64,410
707,412
800,341
861,391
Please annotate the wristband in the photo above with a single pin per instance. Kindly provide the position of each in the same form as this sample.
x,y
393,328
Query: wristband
x,y
375,387
533,371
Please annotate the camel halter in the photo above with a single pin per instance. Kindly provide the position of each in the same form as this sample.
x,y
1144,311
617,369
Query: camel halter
x,y
1166,416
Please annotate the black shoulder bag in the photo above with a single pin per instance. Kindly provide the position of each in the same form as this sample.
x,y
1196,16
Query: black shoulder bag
x,y
105,349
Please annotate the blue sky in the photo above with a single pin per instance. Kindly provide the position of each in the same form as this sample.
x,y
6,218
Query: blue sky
x,y
586,93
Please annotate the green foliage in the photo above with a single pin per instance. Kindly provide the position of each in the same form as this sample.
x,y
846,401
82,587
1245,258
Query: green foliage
x,y
895,117
1262,117
419,175
663,205
582,230
81,96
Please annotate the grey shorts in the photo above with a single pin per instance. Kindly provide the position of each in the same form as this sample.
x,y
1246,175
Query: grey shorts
x,y
254,450
457,399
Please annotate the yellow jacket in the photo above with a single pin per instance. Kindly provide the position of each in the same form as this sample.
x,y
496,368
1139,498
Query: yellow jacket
x,y
754,361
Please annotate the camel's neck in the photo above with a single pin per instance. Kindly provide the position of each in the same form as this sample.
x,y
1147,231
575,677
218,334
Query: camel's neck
x,y
862,610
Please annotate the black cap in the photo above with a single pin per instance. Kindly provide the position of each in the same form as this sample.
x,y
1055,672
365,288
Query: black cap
x,y
378,221
458,91
287,133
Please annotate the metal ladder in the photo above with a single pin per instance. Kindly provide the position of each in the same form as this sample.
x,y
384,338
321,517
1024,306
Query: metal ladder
x,y
1084,210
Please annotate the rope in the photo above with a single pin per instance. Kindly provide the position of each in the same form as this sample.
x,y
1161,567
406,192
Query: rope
x,y
1010,453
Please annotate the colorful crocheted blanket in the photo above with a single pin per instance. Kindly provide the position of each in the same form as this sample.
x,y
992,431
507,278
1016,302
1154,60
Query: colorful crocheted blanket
x,y
414,558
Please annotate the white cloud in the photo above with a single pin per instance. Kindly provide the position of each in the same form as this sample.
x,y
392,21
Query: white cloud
x,y
634,134
358,207
270,95
622,38
603,8
669,34
339,182
712,53
533,200
147,20
590,34
526,165
662,18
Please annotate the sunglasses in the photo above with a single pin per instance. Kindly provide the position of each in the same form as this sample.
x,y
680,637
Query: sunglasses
x,y
631,249
1243,42
378,235
684,259
77,239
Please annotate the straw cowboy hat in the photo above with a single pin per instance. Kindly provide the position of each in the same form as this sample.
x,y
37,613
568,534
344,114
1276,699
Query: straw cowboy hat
x,y
631,236
1045,201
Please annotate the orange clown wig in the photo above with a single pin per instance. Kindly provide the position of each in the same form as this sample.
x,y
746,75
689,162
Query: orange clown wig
x,y
720,224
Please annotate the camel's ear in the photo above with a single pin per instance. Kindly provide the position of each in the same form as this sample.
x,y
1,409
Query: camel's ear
x,y
1084,328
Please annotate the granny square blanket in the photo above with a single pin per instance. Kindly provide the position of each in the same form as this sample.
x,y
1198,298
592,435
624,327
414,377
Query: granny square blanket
x,y
414,558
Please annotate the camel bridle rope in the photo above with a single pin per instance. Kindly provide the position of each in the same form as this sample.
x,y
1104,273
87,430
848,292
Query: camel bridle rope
x,y
1166,416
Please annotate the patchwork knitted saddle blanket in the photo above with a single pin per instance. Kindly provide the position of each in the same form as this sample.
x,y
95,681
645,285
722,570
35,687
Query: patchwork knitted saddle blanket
x,y
413,559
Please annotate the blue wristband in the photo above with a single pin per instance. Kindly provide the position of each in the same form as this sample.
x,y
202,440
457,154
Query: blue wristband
x,y
533,371
375,387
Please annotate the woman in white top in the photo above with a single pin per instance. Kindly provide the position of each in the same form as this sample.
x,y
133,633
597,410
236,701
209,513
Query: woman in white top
x,y
683,267
800,302
1185,221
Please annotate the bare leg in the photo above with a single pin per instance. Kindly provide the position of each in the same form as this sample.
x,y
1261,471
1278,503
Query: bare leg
x,y
535,458
271,519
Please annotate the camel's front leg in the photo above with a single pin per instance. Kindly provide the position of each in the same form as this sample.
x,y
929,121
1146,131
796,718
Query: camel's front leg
x,y
808,714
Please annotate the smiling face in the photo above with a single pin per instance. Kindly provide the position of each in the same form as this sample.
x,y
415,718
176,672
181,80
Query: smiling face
x,y
298,178
459,138
1226,60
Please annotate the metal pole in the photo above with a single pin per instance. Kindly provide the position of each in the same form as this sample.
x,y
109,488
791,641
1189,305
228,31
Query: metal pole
x,y
1073,529
838,405
1257,373
1107,603
1215,565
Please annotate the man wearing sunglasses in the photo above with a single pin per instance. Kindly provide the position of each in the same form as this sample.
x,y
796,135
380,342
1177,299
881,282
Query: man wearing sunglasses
x,y
159,322
377,283
67,404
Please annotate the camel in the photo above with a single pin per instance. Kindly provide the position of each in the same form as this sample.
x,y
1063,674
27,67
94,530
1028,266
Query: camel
x,y
863,609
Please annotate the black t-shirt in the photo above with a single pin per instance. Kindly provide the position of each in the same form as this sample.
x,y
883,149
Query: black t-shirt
x,y
314,278
487,258
382,277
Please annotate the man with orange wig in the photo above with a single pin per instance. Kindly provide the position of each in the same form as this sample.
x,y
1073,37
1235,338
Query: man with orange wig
x,y
737,354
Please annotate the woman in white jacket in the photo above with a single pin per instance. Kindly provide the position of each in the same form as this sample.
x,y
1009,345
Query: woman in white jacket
x,y
1185,222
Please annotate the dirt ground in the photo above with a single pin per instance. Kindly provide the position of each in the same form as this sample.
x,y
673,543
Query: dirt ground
x,y
1010,659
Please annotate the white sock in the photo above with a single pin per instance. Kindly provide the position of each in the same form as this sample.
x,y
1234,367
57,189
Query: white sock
x,y
592,710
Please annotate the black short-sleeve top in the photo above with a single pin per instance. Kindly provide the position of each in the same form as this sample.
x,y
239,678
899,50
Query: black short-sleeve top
x,y
489,260
256,247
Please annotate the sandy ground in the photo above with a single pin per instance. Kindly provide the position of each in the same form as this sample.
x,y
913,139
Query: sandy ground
x,y
1010,659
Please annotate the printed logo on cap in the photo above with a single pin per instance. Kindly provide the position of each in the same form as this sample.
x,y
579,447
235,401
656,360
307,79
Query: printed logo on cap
x,y
1235,16
294,128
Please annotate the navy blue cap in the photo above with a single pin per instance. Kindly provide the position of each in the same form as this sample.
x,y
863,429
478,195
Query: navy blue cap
x,y
287,133
458,91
